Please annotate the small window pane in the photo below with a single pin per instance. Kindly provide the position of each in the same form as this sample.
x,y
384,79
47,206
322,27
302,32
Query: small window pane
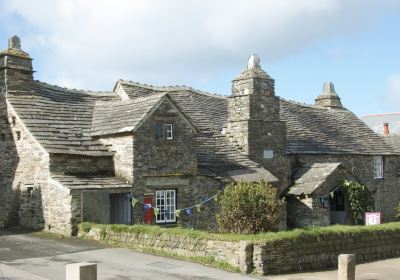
x,y
378,167
169,131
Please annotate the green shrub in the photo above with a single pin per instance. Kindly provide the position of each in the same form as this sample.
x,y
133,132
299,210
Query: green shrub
x,y
249,208
359,200
85,226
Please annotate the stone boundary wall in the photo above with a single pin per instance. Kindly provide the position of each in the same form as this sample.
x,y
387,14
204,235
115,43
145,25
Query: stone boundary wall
x,y
237,254
304,253
321,252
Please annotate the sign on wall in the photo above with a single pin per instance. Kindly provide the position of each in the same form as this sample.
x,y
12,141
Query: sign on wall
x,y
372,218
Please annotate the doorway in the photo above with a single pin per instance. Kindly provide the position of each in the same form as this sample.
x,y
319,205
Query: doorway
x,y
120,209
338,207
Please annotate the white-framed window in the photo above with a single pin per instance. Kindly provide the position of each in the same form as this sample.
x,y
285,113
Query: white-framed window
x,y
378,167
169,131
166,203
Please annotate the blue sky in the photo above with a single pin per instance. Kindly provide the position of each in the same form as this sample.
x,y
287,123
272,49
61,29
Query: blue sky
x,y
205,44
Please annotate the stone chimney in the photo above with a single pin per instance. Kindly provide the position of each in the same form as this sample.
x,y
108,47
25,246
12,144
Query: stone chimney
x,y
16,72
329,98
386,129
254,124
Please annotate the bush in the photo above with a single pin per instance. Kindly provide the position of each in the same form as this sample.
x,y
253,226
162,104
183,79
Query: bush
x,y
359,200
85,226
249,208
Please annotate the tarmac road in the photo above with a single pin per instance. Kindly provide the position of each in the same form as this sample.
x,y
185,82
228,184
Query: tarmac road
x,y
43,256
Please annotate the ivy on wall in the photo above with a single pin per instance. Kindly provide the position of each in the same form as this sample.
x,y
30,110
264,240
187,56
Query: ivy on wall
x,y
358,199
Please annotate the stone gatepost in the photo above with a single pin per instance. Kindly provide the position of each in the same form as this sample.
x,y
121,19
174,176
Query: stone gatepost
x,y
347,267
246,257
81,271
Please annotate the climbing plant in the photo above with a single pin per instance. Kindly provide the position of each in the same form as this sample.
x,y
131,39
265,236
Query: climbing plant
x,y
358,199
249,208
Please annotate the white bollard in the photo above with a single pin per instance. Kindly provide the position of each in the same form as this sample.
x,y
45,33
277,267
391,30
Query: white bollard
x,y
81,271
347,267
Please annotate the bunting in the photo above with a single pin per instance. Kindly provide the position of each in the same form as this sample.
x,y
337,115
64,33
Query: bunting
x,y
188,210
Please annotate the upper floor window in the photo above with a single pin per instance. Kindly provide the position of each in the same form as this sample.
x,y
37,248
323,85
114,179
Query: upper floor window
x,y
169,131
378,167
164,131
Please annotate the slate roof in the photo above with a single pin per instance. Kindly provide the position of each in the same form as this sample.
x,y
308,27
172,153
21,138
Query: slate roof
x,y
111,117
315,130
65,120
89,182
217,156
310,129
60,119
309,177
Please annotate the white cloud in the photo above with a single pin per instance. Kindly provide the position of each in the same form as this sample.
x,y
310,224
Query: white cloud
x,y
91,43
394,89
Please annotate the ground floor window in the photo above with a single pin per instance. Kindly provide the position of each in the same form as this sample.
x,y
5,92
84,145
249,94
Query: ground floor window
x,y
166,203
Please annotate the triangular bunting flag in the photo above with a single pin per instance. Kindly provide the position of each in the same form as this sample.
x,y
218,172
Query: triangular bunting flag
x,y
134,201
156,211
188,212
177,213
198,207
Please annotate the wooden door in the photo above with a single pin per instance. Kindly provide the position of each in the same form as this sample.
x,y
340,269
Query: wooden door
x,y
120,209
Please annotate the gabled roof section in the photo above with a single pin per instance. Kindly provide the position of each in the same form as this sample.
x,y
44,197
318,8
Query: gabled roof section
x,y
315,130
113,117
59,118
217,156
310,177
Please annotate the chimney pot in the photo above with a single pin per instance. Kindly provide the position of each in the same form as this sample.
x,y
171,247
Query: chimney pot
x,y
385,129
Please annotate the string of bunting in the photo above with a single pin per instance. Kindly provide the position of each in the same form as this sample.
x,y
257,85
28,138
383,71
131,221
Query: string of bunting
x,y
188,210
331,193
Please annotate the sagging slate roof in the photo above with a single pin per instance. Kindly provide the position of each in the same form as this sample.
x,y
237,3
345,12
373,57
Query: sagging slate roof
x,y
111,117
310,129
60,119
65,120
217,156
309,177
89,182
315,130
394,140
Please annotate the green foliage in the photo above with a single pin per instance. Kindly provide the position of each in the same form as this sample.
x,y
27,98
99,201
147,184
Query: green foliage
x,y
338,230
359,200
398,211
85,227
249,208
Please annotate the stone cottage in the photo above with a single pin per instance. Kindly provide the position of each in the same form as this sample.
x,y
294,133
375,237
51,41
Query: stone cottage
x,y
70,155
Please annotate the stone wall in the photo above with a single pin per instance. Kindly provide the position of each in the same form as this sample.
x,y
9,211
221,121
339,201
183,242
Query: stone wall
x,y
95,203
26,175
224,251
81,165
307,211
158,157
305,252
190,190
122,146
386,190
321,252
